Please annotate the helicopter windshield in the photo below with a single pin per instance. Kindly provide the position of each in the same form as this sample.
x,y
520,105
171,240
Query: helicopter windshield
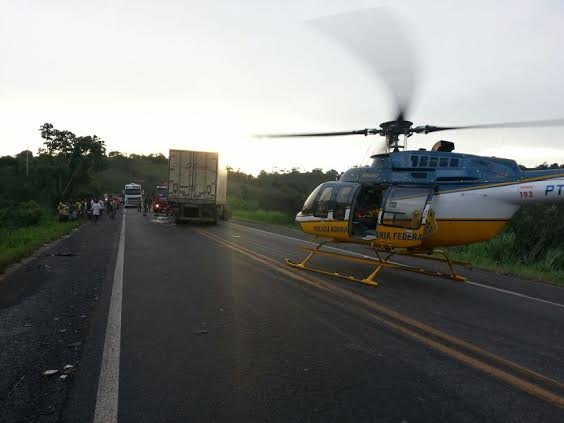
x,y
308,205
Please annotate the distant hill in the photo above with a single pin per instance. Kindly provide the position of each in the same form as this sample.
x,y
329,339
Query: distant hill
x,y
147,171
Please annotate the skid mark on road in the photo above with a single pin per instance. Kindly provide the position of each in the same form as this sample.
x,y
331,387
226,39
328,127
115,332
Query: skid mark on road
x,y
479,285
515,375
106,410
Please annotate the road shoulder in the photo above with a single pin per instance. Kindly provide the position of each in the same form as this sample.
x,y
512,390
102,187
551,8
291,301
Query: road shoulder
x,y
47,308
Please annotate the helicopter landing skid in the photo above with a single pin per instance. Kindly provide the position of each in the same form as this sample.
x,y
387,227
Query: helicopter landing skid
x,y
380,263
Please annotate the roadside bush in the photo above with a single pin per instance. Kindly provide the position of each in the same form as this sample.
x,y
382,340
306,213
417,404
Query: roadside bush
x,y
553,260
20,215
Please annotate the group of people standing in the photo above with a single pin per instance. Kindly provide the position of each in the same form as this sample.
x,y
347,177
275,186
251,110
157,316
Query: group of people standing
x,y
91,210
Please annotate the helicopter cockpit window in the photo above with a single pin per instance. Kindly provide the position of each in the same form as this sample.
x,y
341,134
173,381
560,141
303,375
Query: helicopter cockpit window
x,y
323,203
308,205
341,203
380,162
404,207
423,161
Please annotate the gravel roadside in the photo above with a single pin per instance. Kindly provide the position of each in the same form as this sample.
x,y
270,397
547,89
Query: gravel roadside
x,y
46,305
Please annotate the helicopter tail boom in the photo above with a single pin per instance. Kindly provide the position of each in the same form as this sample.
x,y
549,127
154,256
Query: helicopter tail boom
x,y
547,191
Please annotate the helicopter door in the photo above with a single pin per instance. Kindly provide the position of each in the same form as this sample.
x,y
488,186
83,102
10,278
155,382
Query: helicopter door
x,y
405,216
326,211
365,211
342,196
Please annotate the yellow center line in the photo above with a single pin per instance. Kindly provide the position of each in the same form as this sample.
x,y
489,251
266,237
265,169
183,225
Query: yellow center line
x,y
403,326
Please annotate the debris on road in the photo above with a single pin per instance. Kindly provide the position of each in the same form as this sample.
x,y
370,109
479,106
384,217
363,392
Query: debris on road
x,y
60,255
75,344
50,372
200,332
63,377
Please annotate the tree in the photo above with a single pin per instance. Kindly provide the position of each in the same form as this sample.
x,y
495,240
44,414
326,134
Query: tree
x,y
157,158
25,154
70,159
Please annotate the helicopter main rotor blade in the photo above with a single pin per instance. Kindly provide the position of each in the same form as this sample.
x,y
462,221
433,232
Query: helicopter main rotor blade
x,y
322,134
525,124
376,37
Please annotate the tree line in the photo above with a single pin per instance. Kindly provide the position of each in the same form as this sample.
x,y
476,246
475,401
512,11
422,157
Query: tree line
x,y
67,166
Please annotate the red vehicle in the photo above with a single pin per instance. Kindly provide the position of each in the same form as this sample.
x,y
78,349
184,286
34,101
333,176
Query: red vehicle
x,y
160,203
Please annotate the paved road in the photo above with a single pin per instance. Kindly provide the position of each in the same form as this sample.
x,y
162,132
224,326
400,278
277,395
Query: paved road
x,y
210,325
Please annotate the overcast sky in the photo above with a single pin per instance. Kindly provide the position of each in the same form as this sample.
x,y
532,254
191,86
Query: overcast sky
x,y
147,76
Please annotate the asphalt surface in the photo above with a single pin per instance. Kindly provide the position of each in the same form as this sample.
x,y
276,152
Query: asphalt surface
x,y
213,326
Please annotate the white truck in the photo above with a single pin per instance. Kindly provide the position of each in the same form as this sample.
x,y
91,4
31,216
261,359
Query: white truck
x,y
132,195
197,186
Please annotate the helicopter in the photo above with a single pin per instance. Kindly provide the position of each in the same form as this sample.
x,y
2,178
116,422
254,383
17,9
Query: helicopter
x,y
414,202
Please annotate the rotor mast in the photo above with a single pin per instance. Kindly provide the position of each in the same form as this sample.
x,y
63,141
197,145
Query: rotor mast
x,y
392,131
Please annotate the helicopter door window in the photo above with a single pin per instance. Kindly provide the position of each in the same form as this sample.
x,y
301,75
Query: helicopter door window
x,y
404,207
341,203
323,203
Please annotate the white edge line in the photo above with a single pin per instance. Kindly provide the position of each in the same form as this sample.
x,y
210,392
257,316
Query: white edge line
x,y
505,291
515,293
106,410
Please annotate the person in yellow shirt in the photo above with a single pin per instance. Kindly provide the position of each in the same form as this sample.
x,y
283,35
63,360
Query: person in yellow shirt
x,y
63,210
78,208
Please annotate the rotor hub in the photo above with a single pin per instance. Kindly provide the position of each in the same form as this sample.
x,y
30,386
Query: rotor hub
x,y
397,127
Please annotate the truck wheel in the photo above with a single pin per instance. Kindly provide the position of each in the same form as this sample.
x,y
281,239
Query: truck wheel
x,y
224,214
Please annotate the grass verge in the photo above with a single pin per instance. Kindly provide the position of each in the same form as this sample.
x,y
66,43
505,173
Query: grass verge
x,y
18,243
503,254
265,216
537,271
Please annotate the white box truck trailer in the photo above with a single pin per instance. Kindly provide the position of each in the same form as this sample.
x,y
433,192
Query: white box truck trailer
x,y
197,186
